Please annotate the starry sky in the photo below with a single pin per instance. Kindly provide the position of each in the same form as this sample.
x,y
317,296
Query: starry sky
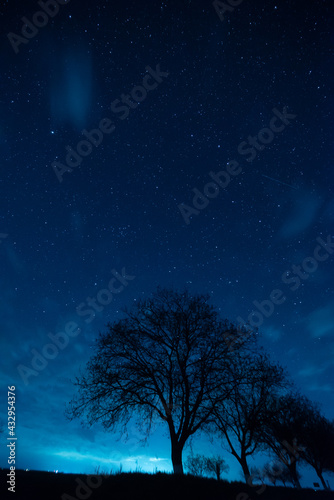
x,y
246,92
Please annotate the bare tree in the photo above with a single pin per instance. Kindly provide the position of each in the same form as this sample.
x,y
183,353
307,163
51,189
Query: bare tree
x,y
198,465
270,474
168,358
216,465
256,474
273,471
240,418
282,434
195,464
285,477
300,421
317,436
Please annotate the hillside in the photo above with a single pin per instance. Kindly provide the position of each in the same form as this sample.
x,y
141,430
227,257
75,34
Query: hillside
x,y
50,486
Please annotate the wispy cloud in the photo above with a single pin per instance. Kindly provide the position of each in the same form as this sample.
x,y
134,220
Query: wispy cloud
x,y
71,88
329,210
303,213
320,322
320,388
311,371
155,459
272,333
15,261
75,455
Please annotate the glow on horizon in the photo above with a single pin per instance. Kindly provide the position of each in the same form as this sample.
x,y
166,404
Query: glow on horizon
x,y
143,463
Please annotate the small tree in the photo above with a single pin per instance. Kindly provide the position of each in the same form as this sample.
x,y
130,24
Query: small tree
x,y
198,465
256,474
285,477
273,471
195,464
216,465
168,359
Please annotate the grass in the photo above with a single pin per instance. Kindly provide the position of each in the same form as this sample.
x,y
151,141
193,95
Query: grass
x,y
35,485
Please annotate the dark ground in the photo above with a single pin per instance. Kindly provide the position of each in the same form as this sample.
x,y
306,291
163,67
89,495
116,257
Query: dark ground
x,y
50,486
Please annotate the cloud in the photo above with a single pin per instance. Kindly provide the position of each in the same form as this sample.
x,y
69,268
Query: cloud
x,y
75,455
320,322
329,210
272,333
155,459
15,261
320,388
71,88
77,224
311,371
303,214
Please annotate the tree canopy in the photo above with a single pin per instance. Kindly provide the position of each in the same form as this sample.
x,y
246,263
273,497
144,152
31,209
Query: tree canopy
x,y
168,358
249,406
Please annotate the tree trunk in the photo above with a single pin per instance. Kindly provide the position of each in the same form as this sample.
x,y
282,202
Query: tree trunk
x,y
296,482
245,469
319,474
294,476
177,458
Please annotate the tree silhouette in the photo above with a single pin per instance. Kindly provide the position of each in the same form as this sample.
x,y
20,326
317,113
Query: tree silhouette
x,y
272,472
195,464
269,471
167,359
299,420
198,465
282,433
317,437
241,417
216,465
286,477
278,472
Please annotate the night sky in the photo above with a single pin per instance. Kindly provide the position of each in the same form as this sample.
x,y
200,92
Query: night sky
x,y
248,97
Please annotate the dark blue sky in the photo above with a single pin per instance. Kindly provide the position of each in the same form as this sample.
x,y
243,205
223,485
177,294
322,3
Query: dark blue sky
x,y
212,109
